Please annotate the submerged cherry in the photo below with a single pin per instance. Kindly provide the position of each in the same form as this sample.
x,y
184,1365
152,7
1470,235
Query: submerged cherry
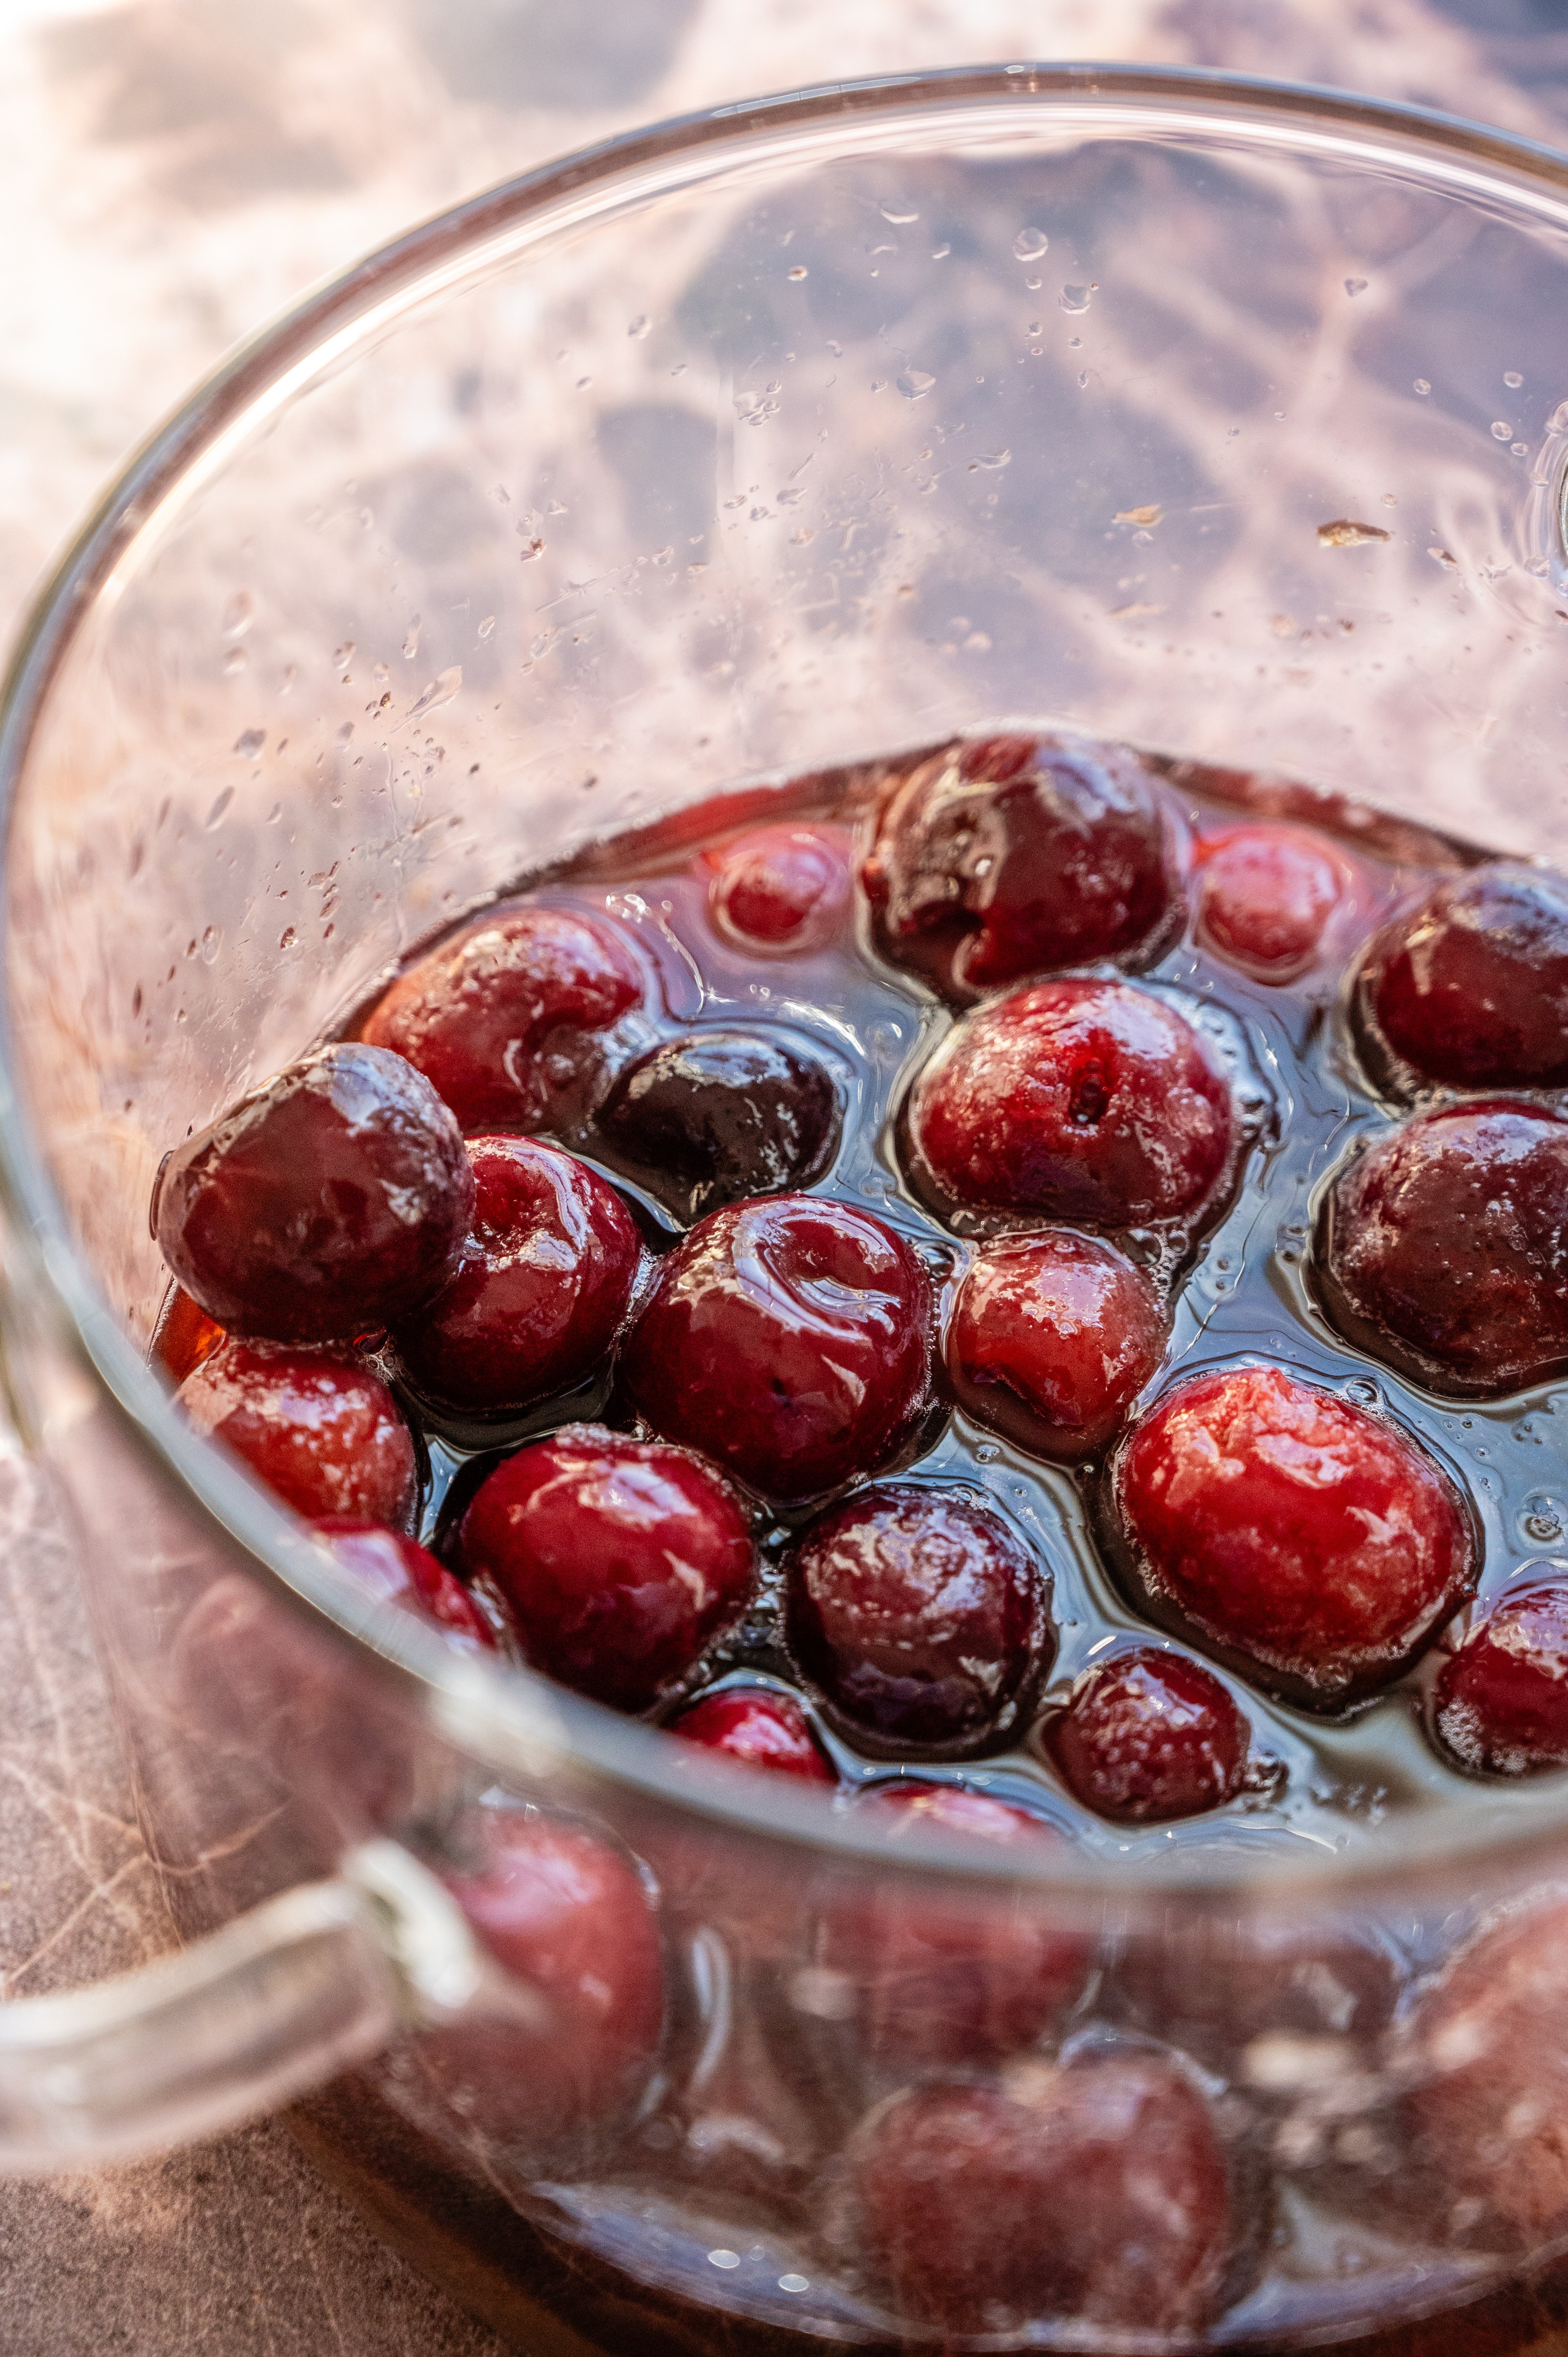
x,y
1500,1705
1266,894
757,1728
781,890
1052,1337
1472,986
1149,1735
318,1426
399,1571
718,1116
321,1206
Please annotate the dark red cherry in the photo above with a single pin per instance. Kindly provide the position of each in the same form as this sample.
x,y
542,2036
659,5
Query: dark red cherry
x,y
1443,1248
321,1206
1095,2192
919,1616
759,1727
781,890
1081,1100
570,1919
789,1340
1266,893
1009,855
718,1116
1150,1734
399,1571
1309,1542
1500,1706
501,1017
1052,1338
1212,1982
1472,986
541,1290
183,1337
619,1559
319,1428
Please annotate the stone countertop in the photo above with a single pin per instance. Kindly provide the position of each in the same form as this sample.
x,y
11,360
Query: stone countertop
x,y
176,170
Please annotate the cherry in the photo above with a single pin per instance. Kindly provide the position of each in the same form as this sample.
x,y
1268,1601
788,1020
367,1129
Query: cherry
x,y
319,1428
619,1559
719,1115
917,1616
1312,1545
1096,2191
1214,1983
399,1571
1443,1248
1472,986
780,889
1081,1100
183,1337
542,1288
571,1920
321,1206
788,1339
1009,855
1052,1338
759,1727
1150,1734
500,1018
1266,895
1500,1706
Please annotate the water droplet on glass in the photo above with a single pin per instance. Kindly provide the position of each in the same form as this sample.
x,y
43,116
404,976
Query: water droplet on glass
x,y
797,272
990,460
250,742
794,2283
346,731
639,326
900,215
211,941
235,659
288,937
531,549
1446,557
914,382
1538,565
1030,243
239,614
1354,287
487,626
724,2258
1345,533
1512,379
343,654
1422,386
411,641
1501,433
1519,449
940,253
286,682
441,689
1076,299
214,815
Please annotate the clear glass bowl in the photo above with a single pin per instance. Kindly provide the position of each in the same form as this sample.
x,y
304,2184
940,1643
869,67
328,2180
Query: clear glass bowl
x,y
1213,415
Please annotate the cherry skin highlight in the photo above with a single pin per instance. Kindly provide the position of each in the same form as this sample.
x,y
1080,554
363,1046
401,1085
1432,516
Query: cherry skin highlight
x,y
1266,895
1500,1706
780,890
540,1289
1443,1249
1315,1548
1081,1100
1471,988
1052,1337
399,1571
757,1728
719,1115
619,1559
321,1206
1010,856
789,1340
319,1428
503,1018
1148,1735
917,1616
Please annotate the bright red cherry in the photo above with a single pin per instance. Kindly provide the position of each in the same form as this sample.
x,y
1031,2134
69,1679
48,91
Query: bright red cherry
x,y
1312,1544
1150,1734
541,1290
1009,855
501,1017
1266,894
1500,1706
759,1727
1443,1248
620,1559
321,1206
183,1337
788,1339
319,1428
399,1571
919,1616
1096,2193
1472,986
1077,1099
1052,1337
781,890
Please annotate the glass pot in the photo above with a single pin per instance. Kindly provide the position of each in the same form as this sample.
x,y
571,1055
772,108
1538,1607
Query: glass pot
x,y
1214,415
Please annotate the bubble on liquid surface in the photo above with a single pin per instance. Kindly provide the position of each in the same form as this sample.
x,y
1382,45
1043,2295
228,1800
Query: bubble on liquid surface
x,y
1030,243
1544,1520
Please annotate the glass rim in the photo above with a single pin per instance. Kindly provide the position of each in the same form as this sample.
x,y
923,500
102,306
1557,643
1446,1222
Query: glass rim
x,y
506,1718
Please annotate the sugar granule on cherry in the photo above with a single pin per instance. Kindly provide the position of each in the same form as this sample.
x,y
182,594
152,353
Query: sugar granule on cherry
x,y
321,1206
718,1116
1149,1735
780,890
619,1559
919,1618
503,1018
1500,1704
788,1339
1265,896
318,1426
1010,856
1471,987
1314,1546
1052,1337
1081,1100
1443,1248
541,1288
398,1570
757,1728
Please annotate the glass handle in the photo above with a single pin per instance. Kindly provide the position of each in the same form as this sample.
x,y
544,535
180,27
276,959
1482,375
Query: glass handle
x,y
279,2001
